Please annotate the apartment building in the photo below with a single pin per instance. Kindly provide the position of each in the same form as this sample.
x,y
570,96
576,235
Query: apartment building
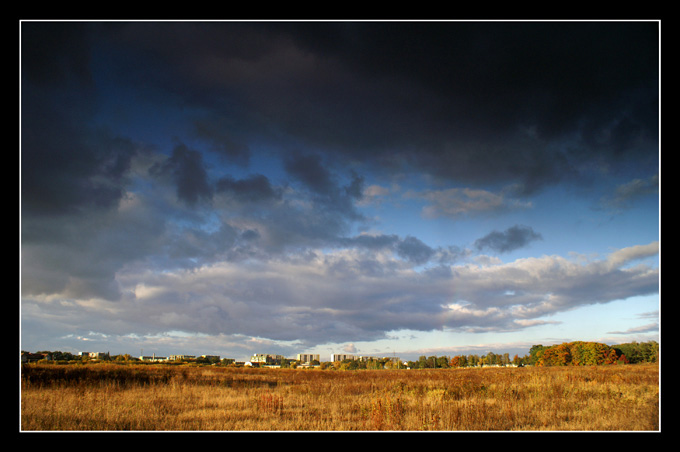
x,y
307,357
341,357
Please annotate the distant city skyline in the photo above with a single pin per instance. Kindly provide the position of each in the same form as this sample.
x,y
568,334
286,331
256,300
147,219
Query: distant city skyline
x,y
415,188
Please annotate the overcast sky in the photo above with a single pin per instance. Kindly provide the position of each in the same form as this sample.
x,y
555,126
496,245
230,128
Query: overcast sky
x,y
378,188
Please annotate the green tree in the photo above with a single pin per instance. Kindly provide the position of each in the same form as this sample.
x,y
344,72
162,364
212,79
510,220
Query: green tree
x,y
535,354
348,364
644,352
442,362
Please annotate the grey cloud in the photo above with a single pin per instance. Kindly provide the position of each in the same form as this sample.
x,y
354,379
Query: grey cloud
x,y
68,171
309,299
627,194
513,238
78,255
309,169
323,184
371,242
414,250
185,166
253,188
652,327
409,248
355,189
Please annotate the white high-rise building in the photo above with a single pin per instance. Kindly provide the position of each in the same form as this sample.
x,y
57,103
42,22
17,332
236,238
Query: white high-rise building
x,y
341,357
307,357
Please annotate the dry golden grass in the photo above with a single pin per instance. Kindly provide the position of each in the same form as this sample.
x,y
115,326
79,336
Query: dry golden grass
x,y
168,398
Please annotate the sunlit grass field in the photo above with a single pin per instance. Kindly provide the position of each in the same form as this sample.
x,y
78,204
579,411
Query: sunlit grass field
x,y
98,397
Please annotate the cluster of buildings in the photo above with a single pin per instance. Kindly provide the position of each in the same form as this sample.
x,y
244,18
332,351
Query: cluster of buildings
x,y
343,357
47,356
260,359
310,359
160,359
94,355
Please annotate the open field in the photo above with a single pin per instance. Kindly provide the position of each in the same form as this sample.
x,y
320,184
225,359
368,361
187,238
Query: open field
x,y
184,398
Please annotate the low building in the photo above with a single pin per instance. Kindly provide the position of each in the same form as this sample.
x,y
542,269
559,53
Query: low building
x,y
262,358
181,357
27,357
153,358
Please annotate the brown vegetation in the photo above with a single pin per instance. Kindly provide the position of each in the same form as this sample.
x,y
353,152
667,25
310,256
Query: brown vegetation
x,y
183,398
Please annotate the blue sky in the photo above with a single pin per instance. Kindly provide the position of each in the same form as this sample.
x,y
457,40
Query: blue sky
x,y
381,188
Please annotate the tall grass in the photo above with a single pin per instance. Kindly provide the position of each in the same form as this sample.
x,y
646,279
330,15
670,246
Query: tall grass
x,y
139,398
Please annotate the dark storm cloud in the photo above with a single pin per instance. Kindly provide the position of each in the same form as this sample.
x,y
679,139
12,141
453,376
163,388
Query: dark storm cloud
x,y
67,164
529,103
429,91
391,96
53,53
513,238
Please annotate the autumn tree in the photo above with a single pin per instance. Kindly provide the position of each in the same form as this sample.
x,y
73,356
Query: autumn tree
x,y
577,353
557,355
535,354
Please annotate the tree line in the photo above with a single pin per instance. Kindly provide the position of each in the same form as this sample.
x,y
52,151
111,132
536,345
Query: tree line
x,y
67,357
581,353
577,353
